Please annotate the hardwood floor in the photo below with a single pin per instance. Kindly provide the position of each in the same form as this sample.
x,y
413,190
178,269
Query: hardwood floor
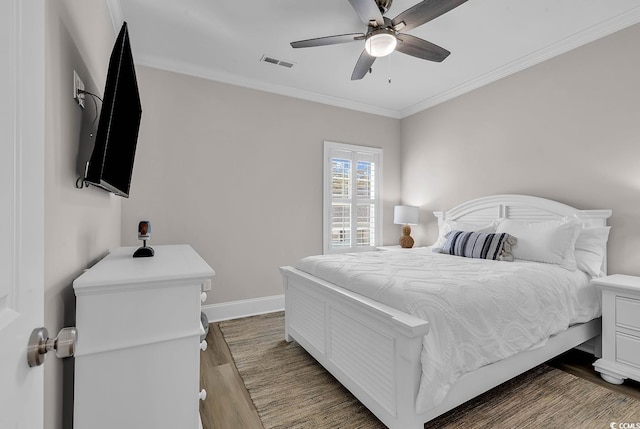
x,y
580,364
229,406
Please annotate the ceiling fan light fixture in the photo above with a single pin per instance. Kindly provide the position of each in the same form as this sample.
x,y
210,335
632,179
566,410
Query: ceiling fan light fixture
x,y
380,43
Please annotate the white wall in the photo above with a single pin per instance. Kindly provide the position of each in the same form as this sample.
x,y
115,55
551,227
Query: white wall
x,y
80,225
237,173
566,129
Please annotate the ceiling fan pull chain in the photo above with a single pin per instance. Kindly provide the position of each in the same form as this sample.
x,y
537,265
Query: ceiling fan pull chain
x,y
387,64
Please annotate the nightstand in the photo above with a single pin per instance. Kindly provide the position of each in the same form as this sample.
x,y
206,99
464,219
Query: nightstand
x,y
620,328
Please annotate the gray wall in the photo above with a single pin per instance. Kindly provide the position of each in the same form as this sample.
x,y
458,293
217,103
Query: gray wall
x,y
566,129
80,225
237,174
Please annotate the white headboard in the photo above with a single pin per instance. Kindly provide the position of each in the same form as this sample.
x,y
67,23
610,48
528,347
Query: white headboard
x,y
519,207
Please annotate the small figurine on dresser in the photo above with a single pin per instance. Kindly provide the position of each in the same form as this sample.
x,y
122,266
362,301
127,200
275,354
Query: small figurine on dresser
x,y
144,233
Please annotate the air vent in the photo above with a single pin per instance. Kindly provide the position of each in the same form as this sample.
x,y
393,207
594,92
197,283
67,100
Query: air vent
x,y
271,60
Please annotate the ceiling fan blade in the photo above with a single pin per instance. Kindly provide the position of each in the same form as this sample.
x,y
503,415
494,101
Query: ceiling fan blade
x,y
420,48
362,66
329,40
424,12
368,11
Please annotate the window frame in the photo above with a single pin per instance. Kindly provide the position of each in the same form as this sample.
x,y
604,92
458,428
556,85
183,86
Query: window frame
x,y
377,154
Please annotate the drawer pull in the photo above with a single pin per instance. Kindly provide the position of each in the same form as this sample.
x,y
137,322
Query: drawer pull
x,y
203,345
202,395
203,297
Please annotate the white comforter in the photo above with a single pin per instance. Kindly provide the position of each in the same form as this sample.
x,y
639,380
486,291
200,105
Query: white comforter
x,y
479,311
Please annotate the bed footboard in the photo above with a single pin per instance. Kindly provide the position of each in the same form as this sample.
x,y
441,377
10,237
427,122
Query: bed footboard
x,y
372,349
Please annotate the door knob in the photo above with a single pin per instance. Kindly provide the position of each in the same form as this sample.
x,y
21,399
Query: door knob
x,y
40,343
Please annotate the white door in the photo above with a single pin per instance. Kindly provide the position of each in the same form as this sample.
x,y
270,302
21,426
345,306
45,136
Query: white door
x,y
21,208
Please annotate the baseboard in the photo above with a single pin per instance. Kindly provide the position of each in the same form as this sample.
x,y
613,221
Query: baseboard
x,y
243,308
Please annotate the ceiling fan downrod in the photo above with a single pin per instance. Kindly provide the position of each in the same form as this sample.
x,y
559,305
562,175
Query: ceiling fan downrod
x,y
384,5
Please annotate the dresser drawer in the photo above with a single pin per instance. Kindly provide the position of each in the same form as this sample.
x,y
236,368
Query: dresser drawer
x,y
628,349
628,313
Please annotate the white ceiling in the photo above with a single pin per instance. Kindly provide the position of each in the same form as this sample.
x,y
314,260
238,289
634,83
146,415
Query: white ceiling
x,y
488,39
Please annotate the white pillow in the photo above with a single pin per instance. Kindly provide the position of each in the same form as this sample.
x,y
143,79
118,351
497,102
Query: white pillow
x,y
551,242
590,249
450,225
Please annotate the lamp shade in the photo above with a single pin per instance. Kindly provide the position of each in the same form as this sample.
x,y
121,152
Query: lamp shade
x,y
405,215
380,43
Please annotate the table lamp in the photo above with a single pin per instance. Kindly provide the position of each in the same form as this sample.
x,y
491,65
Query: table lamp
x,y
406,215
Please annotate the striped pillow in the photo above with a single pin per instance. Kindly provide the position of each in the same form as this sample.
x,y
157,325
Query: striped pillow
x,y
479,245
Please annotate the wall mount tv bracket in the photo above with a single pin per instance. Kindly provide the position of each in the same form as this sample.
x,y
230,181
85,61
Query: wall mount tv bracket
x,y
79,95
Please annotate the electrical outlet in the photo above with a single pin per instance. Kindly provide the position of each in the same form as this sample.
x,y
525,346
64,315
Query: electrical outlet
x,y
206,286
78,86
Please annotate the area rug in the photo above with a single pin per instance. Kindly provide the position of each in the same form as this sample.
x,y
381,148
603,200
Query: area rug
x,y
291,390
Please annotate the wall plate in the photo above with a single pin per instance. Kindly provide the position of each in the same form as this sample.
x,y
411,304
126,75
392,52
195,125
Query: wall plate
x,y
78,86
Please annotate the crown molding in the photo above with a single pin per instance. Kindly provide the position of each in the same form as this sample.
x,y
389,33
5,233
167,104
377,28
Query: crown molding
x,y
571,42
201,72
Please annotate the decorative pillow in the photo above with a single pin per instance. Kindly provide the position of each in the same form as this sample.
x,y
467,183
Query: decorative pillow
x,y
483,245
450,225
590,249
551,242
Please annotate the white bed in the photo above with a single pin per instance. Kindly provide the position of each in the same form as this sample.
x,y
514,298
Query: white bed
x,y
375,350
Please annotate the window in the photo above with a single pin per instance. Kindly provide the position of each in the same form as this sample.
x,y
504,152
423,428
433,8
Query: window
x,y
352,200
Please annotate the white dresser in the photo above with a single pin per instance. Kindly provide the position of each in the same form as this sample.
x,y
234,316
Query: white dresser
x,y
620,328
137,359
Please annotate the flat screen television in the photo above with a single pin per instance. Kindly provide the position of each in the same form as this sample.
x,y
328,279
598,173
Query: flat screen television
x,y
111,164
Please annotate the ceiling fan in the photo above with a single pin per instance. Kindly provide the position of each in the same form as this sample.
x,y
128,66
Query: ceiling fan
x,y
383,35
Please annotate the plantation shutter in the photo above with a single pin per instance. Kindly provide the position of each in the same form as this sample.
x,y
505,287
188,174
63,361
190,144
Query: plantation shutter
x,y
352,198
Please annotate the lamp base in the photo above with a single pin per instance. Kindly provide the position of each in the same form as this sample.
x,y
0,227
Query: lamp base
x,y
406,242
